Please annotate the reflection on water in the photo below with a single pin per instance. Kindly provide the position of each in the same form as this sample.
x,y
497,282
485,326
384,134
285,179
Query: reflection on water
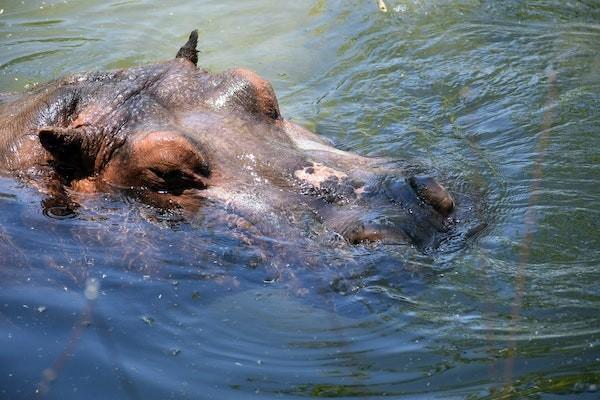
x,y
116,299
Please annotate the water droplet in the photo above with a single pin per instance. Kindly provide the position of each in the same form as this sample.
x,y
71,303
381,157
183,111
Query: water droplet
x,y
92,287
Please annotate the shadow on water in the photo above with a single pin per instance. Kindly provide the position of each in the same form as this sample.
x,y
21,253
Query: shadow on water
x,y
114,298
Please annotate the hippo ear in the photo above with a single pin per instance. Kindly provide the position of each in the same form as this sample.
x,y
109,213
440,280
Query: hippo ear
x,y
70,147
188,51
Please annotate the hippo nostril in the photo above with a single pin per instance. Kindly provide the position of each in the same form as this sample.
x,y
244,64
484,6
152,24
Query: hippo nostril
x,y
377,233
432,193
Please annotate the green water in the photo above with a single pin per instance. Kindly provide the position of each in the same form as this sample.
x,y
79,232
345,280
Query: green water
x,y
502,98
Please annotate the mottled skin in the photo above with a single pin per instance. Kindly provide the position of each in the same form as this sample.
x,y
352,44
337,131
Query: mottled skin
x,y
180,136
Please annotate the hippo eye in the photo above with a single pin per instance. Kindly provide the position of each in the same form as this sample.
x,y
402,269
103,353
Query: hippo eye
x,y
175,180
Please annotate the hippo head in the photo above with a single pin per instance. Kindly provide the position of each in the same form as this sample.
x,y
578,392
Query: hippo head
x,y
178,135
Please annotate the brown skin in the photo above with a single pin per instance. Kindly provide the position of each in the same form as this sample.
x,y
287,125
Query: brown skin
x,y
180,135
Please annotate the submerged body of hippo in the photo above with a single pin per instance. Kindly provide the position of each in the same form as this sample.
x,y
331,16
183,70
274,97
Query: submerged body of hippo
x,y
181,137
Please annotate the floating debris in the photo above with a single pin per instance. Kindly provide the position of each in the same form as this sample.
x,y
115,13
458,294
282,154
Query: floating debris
x,y
148,320
381,5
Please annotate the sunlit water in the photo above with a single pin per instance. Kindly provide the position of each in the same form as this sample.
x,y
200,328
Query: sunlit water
x,y
125,301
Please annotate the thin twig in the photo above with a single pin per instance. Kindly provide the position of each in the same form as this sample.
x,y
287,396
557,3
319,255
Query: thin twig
x,y
529,223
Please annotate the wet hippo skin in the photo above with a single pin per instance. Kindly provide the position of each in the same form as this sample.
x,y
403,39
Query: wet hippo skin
x,y
180,136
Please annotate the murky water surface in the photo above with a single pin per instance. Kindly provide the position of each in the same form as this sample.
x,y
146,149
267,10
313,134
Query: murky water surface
x,y
121,300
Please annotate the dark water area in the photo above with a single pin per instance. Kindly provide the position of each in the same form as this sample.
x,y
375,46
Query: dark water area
x,y
118,299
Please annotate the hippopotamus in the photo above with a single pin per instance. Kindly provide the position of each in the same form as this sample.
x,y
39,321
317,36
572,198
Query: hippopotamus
x,y
181,137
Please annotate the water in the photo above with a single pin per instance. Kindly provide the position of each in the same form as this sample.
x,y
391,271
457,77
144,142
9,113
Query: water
x,y
120,300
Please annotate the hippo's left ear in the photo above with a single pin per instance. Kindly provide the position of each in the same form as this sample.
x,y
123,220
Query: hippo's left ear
x,y
188,51
71,147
